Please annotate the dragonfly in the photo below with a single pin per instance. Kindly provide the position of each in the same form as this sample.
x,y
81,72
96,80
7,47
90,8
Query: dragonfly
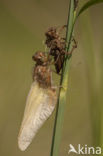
x,y
40,102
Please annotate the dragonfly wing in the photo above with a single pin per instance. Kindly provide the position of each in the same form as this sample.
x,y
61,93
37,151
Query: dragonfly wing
x,y
39,106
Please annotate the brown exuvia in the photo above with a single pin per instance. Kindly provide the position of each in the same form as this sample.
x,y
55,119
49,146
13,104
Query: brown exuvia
x,y
57,45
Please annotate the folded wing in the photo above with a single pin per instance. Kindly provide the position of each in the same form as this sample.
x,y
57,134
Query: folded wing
x,y
39,106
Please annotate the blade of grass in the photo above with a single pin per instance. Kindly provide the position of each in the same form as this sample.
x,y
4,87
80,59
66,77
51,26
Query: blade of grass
x,y
64,78
87,38
88,4
94,96
90,68
63,91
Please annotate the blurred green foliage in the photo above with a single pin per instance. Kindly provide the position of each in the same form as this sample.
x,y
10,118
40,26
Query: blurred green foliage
x,y
22,27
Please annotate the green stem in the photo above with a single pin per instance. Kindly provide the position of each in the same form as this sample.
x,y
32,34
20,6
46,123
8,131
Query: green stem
x,y
63,91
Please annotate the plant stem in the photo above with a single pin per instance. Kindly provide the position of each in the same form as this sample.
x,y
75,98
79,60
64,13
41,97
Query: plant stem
x,y
63,91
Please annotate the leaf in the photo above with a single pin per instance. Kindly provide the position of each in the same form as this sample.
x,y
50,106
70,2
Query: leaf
x,y
88,4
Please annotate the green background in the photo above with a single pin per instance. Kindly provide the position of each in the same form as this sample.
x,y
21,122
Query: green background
x,y
22,27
